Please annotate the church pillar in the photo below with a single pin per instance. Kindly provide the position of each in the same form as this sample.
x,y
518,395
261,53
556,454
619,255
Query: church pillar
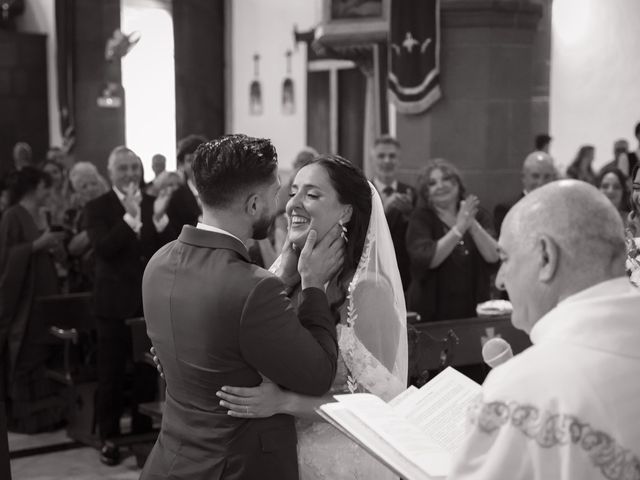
x,y
484,122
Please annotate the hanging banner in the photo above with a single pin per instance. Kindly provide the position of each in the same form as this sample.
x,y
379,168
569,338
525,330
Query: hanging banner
x,y
414,52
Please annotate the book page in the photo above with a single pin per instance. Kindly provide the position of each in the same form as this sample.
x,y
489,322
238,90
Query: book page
x,y
350,425
402,397
440,407
413,441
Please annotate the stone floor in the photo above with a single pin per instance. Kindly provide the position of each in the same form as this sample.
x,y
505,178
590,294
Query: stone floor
x,y
76,464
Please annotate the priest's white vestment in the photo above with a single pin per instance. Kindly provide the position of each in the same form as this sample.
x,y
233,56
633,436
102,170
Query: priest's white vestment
x,y
568,407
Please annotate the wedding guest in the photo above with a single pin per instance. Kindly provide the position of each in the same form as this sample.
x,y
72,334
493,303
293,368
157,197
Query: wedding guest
x,y
27,272
158,164
171,181
184,206
450,245
581,167
398,198
59,200
88,184
622,159
537,170
613,184
542,142
633,231
125,227
23,156
634,157
566,408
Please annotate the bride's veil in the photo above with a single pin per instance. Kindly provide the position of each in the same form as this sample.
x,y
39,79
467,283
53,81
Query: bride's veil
x,y
377,354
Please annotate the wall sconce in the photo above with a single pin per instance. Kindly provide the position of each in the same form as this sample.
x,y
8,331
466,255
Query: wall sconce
x,y
255,89
288,91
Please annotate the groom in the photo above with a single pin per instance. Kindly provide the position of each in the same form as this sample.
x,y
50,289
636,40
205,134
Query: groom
x,y
216,319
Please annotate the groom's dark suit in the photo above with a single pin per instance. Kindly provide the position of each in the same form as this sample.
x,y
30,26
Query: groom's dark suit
x,y
216,319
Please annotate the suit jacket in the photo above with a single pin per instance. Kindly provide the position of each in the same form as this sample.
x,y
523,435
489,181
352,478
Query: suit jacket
x,y
216,319
183,208
121,254
398,228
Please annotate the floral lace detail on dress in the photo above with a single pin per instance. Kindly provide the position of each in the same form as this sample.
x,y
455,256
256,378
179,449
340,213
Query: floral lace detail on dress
x,y
633,259
324,453
365,368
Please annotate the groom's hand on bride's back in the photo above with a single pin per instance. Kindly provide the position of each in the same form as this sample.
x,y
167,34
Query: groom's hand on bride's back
x,y
321,259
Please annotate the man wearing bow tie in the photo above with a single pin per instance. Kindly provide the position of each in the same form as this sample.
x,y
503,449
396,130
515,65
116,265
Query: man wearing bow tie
x,y
398,198
126,227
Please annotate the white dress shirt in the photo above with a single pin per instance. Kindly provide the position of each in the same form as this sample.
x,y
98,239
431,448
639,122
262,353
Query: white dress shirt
x,y
381,187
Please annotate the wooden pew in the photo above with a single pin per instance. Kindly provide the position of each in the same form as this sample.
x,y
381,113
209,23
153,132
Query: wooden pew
x,y
70,319
457,343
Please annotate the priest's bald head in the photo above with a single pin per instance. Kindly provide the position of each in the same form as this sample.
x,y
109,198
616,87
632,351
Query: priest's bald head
x,y
560,239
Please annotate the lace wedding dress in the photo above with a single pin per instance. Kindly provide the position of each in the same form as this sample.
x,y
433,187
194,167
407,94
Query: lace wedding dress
x,y
324,452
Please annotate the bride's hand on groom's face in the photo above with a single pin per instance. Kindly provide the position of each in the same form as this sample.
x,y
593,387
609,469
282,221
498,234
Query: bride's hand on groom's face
x,y
265,400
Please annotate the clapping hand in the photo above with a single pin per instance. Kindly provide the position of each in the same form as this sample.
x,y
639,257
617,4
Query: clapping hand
x,y
262,401
130,202
401,202
48,240
161,202
467,213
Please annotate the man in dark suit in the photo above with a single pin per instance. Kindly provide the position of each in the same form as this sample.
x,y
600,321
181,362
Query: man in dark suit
x,y
538,169
184,206
398,198
125,227
216,319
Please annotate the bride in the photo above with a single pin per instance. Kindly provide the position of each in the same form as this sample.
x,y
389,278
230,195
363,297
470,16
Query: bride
x,y
369,307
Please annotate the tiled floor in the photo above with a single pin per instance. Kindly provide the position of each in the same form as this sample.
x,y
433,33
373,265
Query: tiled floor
x,y
77,464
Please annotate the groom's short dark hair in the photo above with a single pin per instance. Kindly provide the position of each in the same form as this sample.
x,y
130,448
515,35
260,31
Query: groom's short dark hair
x,y
228,166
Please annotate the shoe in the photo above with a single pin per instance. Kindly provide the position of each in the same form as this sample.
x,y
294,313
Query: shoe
x,y
110,455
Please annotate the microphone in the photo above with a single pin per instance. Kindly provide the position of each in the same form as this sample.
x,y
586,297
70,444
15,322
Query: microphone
x,y
496,351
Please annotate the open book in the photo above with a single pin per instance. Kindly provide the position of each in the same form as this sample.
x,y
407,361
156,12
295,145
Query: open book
x,y
417,433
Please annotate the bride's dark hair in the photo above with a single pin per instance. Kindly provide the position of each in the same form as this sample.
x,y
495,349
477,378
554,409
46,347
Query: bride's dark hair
x,y
353,189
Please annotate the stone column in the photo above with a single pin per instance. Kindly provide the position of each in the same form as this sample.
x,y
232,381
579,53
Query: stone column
x,y
484,122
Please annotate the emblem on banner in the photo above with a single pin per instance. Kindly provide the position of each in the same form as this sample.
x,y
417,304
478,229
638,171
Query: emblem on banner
x,y
414,74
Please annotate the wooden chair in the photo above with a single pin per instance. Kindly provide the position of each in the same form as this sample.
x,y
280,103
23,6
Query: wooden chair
x,y
70,319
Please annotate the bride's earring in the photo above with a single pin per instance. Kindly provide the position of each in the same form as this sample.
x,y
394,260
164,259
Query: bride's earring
x,y
344,231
